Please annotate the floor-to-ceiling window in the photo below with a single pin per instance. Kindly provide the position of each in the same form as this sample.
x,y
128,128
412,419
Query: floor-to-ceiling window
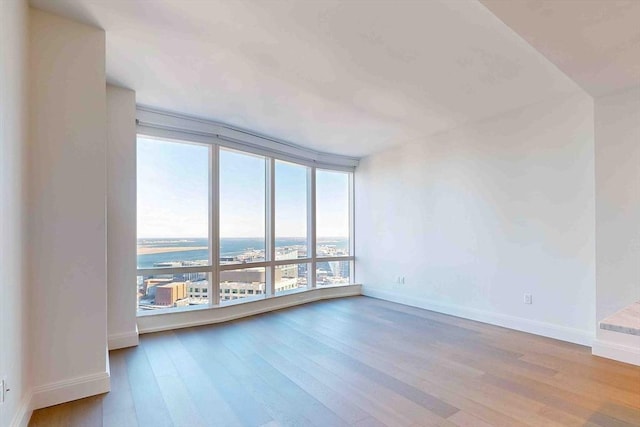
x,y
333,207
219,226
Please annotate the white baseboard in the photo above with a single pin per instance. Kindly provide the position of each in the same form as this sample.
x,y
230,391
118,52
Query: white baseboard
x,y
23,415
615,351
518,323
123,340
68,390
186,319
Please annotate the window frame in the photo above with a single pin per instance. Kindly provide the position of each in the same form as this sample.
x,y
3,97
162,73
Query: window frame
x,y
218,141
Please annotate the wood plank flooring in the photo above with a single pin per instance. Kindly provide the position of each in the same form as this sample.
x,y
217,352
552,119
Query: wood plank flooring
x,y
356,362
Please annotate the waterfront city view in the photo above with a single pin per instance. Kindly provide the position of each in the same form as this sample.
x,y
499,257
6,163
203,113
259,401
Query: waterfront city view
x,y
174,210
184,289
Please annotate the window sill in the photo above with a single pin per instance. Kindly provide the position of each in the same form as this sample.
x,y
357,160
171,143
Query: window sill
x,y
185,317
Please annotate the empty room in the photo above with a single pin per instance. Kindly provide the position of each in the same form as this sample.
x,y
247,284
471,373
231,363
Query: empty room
x,y
319,213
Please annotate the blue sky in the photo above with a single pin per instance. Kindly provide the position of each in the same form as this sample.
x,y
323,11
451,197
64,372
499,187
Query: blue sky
x,y
173,194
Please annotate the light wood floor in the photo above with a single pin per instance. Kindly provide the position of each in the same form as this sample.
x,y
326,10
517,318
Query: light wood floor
x,y
356,361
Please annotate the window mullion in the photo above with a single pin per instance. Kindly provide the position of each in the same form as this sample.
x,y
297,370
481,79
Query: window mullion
x,y
311,226
214,227
270,226
352,242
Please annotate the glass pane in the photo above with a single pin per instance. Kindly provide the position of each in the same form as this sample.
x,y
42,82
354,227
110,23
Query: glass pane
x,y
332,213
330,273
242,207
292,277
161,291
291,210
173,204
243,283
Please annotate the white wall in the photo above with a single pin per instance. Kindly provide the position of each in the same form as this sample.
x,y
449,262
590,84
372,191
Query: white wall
x,y
617,131
67,210
14,297
475,217
121,217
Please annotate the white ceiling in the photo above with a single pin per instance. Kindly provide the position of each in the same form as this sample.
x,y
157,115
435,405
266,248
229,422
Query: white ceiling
x,y
347,77
596,43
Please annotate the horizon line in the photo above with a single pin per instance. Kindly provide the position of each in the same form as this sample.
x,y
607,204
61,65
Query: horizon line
x,y
255,238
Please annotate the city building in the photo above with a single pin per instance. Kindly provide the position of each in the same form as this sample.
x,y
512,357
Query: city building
x,y
479,159
171,294
148,287
198,290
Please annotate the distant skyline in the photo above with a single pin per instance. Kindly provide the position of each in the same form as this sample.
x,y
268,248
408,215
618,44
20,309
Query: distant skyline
x,y
173,194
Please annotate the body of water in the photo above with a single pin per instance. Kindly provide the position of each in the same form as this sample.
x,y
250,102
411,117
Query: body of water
x,y
229,247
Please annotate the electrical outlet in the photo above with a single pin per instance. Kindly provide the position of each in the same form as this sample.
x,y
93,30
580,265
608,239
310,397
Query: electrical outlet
x,y
528,299
402,280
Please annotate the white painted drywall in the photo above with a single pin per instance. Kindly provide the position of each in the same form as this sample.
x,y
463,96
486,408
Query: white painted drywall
x,y
14,296
617,132
476,217
121,217
67,209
